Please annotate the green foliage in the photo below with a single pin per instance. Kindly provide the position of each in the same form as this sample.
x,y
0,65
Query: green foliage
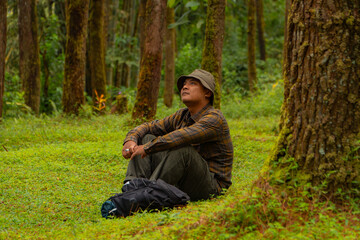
x,y
121,52
190,17
13,99
235,74
266,103
188,59
52,60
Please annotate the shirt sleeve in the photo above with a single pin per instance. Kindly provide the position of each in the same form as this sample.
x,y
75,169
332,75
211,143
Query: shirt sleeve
x,y
206,129
157,128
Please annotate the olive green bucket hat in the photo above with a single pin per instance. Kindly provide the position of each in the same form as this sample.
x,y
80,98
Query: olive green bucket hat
x,y
206,79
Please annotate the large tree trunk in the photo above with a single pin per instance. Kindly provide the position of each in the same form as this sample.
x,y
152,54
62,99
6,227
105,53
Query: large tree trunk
x,y
74,79
3,24
169,58
97,48
260,25
29,53
214,38
150,67
321,110
251,33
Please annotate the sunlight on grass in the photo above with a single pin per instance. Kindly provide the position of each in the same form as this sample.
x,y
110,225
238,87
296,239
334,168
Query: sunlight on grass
x,y
56,172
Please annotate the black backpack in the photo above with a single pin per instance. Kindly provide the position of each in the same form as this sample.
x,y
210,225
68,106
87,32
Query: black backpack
x,y
143,194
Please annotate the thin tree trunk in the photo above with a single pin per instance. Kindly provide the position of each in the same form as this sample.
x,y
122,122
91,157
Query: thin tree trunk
x,y
134,69
126,30
150,67
96,47
112,10
251,46
320,119
169,58
76,31
29,53
260,23
88,85
3,28
213,44
141,20
60,13
46,80
44,13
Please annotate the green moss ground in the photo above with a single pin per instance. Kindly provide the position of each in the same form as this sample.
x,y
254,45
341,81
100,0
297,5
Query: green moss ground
x,y
56,172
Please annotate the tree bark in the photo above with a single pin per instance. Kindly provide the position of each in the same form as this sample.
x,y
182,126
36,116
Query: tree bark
x,y
3,28
169,58
260,24
251,33
97,48
29,54
321,111
150,66
74,79
213,44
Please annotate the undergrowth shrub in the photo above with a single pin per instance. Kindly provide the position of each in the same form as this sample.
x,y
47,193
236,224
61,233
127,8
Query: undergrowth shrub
x,y
268,209
267,102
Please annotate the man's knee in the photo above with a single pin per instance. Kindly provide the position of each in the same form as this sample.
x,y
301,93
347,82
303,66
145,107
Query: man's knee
x,y
183,150
186,154
147,138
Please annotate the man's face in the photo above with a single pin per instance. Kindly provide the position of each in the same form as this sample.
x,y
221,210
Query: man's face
x,y
193,92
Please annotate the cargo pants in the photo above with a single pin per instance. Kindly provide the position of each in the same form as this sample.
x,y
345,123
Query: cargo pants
x,y
181,167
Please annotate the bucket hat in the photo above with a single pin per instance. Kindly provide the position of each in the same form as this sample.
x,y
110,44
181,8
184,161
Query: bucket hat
x,y
206,79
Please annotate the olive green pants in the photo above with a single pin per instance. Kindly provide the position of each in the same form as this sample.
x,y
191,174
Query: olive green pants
x,y
182,167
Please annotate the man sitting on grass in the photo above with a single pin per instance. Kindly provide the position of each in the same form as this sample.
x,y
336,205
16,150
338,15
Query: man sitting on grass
x,y
190,149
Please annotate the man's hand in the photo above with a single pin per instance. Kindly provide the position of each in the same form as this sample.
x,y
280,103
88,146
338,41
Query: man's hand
x,y
139,150
128,149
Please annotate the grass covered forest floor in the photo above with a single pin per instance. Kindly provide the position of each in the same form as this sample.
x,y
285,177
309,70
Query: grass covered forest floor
x,y
57,171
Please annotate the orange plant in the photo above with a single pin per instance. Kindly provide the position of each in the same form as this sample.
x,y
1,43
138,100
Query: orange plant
x,y
100,103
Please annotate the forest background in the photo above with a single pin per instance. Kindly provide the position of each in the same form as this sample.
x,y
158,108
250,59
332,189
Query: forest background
x,y
69,135
121,39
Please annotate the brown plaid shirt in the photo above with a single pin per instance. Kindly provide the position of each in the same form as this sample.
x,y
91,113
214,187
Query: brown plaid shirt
x,y
207,131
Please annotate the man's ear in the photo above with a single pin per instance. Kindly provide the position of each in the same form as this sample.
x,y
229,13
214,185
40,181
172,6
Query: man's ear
x,y
208,93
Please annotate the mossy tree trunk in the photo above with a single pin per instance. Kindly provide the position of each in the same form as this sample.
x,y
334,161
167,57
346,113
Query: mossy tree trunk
x,y
260,25
97,48
169,58
150,66
320,120
29,54
76,31
3,28
251,35
213,44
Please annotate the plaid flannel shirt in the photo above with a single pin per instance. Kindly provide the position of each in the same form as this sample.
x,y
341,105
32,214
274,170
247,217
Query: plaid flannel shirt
x,y
207,131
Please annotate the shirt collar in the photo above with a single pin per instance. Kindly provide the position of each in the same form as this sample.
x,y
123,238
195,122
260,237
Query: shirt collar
x,y
196,117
